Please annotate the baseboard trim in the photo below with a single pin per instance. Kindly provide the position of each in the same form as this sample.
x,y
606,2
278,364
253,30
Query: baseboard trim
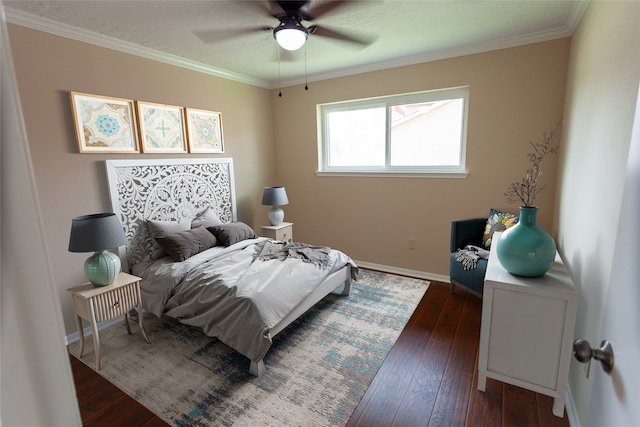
x,y
71,338
572,415
403,271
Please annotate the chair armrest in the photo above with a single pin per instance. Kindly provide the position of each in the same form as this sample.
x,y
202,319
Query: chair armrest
x,y
466,232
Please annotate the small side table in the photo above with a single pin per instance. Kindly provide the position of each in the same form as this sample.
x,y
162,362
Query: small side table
x,y
97,304
282,232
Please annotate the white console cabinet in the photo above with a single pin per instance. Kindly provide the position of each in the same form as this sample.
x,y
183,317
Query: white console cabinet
x,y
526,337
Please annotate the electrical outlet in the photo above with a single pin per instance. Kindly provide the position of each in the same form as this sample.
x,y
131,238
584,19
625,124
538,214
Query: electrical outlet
x,y
587,368
412,243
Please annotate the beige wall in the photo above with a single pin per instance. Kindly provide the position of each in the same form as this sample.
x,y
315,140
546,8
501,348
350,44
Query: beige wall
x,y
71,184
516,95
601,96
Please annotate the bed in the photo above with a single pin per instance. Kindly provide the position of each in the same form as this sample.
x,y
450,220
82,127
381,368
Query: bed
x,y
200,265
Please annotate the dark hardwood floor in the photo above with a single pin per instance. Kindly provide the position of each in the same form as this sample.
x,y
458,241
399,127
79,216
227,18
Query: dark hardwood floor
x,y
430,376
428,379
103,404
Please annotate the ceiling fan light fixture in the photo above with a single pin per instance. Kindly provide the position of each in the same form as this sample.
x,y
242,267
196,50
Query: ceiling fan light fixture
x,y
290,36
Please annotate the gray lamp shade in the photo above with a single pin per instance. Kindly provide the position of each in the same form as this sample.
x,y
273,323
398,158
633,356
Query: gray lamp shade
x,y
98,232
275,196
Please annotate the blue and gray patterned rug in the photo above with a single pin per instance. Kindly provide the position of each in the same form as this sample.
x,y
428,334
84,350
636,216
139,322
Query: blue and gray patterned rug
x,y
317,369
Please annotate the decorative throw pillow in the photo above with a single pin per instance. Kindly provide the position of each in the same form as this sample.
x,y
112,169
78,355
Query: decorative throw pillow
x,y
161,229
497,221
233,232
186,244
207,218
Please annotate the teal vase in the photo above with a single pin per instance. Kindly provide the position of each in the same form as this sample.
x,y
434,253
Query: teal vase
x,y
526,249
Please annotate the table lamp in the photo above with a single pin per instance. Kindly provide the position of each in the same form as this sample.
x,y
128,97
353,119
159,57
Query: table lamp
x,y
98,232
275,196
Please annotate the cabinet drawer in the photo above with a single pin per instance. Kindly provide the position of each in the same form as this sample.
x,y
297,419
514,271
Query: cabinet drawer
x,y
284,235
525,339
115,303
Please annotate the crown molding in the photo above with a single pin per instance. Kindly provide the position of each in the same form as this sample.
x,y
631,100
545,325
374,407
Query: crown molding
x,y
63,30
42,24
567,30
578,10
471,49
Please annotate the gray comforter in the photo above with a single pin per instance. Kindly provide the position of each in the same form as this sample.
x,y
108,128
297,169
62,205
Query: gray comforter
x,y
238,293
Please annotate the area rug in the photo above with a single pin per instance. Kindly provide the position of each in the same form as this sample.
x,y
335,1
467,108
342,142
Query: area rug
x,y
316,371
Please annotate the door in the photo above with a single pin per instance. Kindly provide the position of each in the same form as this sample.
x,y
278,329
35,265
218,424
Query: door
x,y
615,398
36,382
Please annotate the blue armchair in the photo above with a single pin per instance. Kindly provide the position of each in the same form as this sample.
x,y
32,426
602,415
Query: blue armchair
x,y
467,232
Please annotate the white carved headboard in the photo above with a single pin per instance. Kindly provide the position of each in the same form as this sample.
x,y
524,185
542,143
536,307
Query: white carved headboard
x,y
166,190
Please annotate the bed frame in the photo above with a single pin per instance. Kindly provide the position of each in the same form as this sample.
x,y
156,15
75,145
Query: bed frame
x,y
174,189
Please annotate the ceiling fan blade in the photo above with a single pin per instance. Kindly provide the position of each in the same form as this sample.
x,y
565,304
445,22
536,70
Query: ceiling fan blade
x,y
264,8
276,9
326,32
212,36
309,12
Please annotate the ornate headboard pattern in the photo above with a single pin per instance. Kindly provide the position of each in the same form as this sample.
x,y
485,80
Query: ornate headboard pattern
x,y
166,190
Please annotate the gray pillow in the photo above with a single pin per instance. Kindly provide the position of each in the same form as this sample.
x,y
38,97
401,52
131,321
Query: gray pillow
x,y
186,244
233,232
207,218
162,228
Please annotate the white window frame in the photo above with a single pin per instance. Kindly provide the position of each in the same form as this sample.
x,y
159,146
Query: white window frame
x,y
453,171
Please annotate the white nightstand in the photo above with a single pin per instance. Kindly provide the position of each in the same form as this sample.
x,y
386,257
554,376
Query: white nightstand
x,y
282,232
526,336
97,304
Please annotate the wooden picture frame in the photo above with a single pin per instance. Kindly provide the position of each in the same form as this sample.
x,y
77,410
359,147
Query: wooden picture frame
x,y
104,124
162,128
204,131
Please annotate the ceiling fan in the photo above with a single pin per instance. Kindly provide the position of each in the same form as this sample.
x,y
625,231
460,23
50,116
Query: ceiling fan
x,y
291,33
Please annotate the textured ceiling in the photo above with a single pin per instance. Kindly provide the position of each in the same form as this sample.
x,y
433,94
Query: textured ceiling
x,y
403,32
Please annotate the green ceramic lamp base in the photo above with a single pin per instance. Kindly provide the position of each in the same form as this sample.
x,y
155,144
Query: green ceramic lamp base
x,y
102,268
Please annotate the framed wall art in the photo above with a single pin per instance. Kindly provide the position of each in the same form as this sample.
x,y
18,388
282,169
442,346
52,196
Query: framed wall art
x,y
104,124
162,128
204,131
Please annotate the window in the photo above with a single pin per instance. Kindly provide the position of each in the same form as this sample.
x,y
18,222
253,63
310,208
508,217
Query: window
x,y
418,133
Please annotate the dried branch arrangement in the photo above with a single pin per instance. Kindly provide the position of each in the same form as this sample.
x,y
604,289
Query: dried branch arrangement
x,y
525,191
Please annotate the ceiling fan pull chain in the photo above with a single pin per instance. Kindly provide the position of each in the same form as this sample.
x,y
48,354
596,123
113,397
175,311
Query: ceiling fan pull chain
x,y
306,86
279,77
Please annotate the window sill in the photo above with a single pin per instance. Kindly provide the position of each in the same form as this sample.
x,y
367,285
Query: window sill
x,y
397,174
